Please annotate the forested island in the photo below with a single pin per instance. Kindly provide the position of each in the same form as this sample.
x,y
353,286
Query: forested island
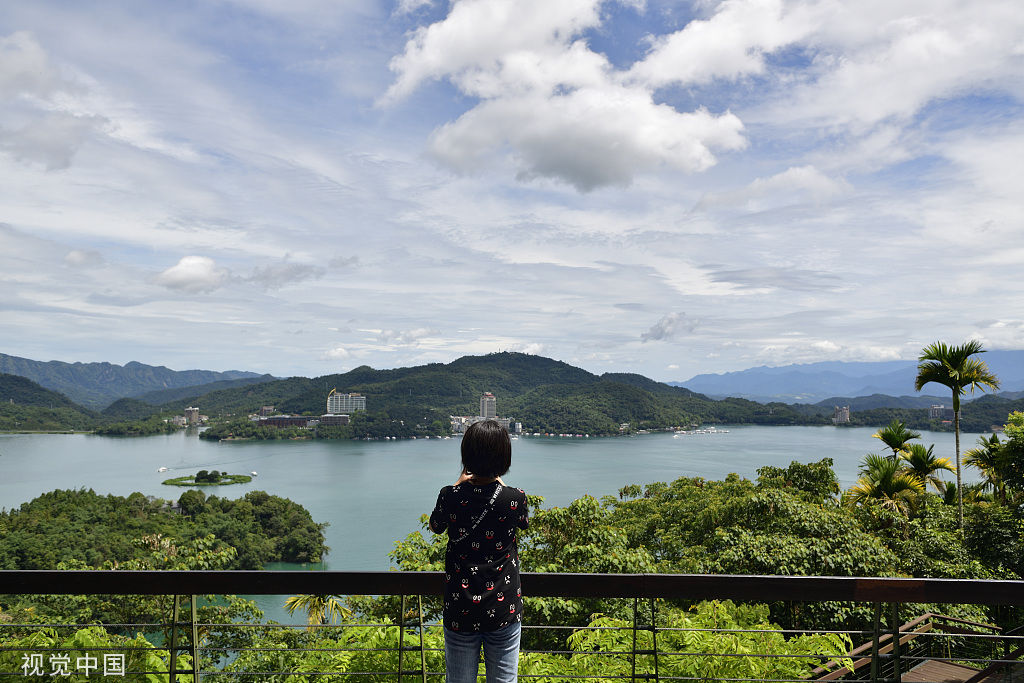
x,y
87,529
208,478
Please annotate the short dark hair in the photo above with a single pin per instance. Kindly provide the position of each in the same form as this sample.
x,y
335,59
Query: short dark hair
x,y
486,449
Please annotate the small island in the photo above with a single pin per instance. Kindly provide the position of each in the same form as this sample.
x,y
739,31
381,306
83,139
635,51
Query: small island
x,y
211,478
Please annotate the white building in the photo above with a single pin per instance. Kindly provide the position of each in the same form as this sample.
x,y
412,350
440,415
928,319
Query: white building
x,y
488,406
344,403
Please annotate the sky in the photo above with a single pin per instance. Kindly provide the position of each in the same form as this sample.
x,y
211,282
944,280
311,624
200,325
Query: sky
x,y
667,188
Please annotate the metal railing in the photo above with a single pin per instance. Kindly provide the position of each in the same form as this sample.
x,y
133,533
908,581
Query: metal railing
x,y
893,651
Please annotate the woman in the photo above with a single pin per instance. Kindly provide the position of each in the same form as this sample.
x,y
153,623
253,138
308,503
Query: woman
x,y
482,602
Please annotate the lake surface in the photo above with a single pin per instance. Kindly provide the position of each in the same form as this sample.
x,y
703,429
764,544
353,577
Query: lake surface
x,y
373,492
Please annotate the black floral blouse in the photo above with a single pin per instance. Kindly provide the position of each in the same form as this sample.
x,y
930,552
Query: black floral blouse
x,y
481,564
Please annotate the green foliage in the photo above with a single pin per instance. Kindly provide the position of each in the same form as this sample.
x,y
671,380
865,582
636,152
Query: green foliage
x,y
1011,462
212,478
24,392
93,642
599,648
246,429
147,427
896,436
887,484
925,465
816,482
599,651
15,418
80,525
25,406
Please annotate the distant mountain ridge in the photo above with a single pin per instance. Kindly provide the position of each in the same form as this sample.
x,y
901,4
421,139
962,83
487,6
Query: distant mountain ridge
x,y
95,385
814,382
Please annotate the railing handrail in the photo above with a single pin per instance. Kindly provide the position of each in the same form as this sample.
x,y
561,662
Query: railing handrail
x,y
687,586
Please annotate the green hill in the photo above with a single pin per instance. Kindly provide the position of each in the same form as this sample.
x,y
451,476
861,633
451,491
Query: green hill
x,y
162,396
544,394
26,406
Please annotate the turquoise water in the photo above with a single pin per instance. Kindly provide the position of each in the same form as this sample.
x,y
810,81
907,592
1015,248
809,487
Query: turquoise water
x,y
373,492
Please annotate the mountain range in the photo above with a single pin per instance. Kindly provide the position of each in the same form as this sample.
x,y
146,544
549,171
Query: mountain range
x,y
96,385
814,382
544,394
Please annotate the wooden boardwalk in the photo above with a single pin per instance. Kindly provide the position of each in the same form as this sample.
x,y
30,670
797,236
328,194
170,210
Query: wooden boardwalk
x,y
945,672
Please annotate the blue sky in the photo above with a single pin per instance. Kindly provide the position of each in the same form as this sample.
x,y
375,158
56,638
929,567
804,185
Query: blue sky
x,y
662,187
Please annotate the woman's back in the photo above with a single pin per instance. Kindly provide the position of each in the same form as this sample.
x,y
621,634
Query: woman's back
x,y
482,559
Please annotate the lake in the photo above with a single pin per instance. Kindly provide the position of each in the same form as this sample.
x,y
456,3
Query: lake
x,y
373,492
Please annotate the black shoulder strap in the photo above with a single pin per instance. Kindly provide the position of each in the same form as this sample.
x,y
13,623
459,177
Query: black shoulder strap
x,y
480,517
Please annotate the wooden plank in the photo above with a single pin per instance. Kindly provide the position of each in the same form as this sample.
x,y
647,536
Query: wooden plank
x,y
936,671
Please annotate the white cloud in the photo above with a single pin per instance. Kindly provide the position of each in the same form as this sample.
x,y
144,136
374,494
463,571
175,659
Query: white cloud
x,y
876,60
51,140
731,44
26,69
474,41
83,258
193,274
405,337
559,110
337,353
589,138
793,184
1000,334
410,6
671,326
532,348
275,276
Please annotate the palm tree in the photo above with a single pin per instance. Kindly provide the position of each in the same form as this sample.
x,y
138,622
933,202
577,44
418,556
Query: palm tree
x,y
953,367
985,457
319,609
895,435
925,465
885,480
973,493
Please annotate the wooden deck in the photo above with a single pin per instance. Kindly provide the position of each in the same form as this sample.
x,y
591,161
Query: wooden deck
x,y
944,672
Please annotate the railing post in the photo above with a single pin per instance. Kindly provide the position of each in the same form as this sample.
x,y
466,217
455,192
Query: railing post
x,y
423,646
401,637
636,618
172,662
897,676
195,642
874,642
654,637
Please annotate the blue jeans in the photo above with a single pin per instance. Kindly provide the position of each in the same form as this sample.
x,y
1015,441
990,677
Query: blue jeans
x,y
501,655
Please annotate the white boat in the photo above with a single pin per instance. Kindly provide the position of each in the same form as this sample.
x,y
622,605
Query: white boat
x,y
254,473
162,469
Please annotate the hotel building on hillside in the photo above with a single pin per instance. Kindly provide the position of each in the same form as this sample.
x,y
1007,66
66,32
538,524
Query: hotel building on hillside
x,y
488,411
344,403
841,415
488,406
